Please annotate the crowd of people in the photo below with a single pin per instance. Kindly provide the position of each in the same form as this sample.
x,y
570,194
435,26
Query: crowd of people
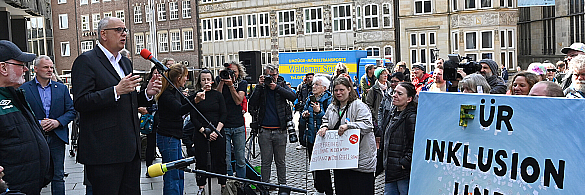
x,y
382,105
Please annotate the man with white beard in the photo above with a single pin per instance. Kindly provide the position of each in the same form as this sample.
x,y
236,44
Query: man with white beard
x,y
577,67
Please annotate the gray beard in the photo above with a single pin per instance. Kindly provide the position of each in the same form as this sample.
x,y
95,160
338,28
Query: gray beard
x,y
579,85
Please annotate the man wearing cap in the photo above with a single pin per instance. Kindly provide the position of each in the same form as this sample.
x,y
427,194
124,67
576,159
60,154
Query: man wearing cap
x,y
571,51
577,68
24,152
104,94
421,80
53,108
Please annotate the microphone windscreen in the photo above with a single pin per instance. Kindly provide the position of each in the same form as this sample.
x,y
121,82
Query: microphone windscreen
x,y
155,170
146,54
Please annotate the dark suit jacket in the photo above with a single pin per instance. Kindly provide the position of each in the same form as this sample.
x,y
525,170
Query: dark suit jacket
x,y
61,106
108,129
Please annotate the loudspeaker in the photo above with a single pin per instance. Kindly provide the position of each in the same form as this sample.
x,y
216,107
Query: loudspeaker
x,y
251,61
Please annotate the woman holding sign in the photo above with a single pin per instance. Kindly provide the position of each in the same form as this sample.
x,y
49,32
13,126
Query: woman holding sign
x,y
398,140
348,112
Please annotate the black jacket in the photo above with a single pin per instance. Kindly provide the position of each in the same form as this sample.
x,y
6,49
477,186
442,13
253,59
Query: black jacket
x,y
303,91
283,93
171,108
398,143
24,153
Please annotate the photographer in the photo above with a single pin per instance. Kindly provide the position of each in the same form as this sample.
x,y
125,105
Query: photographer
x,y
489,70
233,87
303,91
273,116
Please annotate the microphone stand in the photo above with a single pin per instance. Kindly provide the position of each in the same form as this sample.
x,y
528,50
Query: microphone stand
x,y
208,133
161,69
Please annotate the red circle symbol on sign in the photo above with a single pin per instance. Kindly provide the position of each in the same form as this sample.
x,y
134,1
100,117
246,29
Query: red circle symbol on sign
x,y
353,139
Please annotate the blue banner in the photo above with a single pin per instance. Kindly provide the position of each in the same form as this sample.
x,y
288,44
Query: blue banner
x,y
528,3
510,145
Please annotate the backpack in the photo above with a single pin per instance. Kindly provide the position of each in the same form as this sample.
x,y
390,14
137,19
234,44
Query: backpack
x,y
146,121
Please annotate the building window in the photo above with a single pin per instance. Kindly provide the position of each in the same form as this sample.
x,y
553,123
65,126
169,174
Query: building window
x,y
423,56
487,40
147,10
286,23
487,56
510,39
63,21
388,52
470,40
506,3
473,56
359,17
511,62
455,41
454,2
371,16
120,15
137,15
342,18
86,46
313,20
163,42
413,58
107,14
61,1
218,29
432,38
413,40
162,12
95,19
373,52
235,27
386,17
548,26
470,4
264,25
139,42
83,2
503,61
186,9
204,62
85,22
175,41
148,41
486,3
423,39
207,29
252,25
188,40
65,50
95,1
422,7
173,10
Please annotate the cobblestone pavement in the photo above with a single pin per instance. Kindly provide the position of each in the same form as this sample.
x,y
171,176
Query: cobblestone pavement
x,y
297,175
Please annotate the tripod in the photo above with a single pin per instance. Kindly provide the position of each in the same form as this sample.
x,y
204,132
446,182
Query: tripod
x,y
208,132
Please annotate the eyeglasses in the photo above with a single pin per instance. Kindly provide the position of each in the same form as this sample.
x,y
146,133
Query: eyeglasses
x,y
23,65
551,70
394,81
118,30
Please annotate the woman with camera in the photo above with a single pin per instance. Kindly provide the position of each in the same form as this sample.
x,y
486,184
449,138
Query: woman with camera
x,y
313,112
348,112
399,138
171,108
211,104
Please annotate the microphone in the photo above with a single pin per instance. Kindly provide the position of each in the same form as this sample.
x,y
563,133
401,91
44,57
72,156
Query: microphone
x,y
159,169
148,55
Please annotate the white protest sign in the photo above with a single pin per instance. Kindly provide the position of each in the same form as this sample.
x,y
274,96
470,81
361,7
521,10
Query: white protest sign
x,y
336,152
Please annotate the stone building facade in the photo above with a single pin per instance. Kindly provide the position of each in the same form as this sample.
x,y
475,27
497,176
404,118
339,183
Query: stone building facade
x,y
276,26
480,29
545,30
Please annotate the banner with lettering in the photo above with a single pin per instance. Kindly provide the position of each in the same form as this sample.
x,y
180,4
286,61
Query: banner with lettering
x,y
336,152
493,144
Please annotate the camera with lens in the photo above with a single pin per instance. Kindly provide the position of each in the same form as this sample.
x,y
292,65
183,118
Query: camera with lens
x,y
292,134
268,79
450,66
226,73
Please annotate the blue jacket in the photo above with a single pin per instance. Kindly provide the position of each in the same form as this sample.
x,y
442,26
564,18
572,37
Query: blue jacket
x,y
61,106
312,129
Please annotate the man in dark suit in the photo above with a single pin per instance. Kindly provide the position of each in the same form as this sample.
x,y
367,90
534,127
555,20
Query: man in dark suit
x,y
53,107
104,94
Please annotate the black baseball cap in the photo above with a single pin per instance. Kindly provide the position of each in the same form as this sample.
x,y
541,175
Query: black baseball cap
x,y
9,50
419,66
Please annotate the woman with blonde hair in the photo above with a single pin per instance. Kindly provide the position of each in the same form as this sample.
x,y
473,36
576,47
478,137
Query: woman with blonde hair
x,y
171,108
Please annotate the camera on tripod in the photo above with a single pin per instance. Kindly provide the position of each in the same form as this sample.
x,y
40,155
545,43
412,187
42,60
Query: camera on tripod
x,y
450,66
292,134
226,73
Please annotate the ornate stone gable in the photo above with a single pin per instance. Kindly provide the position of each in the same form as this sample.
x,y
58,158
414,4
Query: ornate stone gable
x,y
484,19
